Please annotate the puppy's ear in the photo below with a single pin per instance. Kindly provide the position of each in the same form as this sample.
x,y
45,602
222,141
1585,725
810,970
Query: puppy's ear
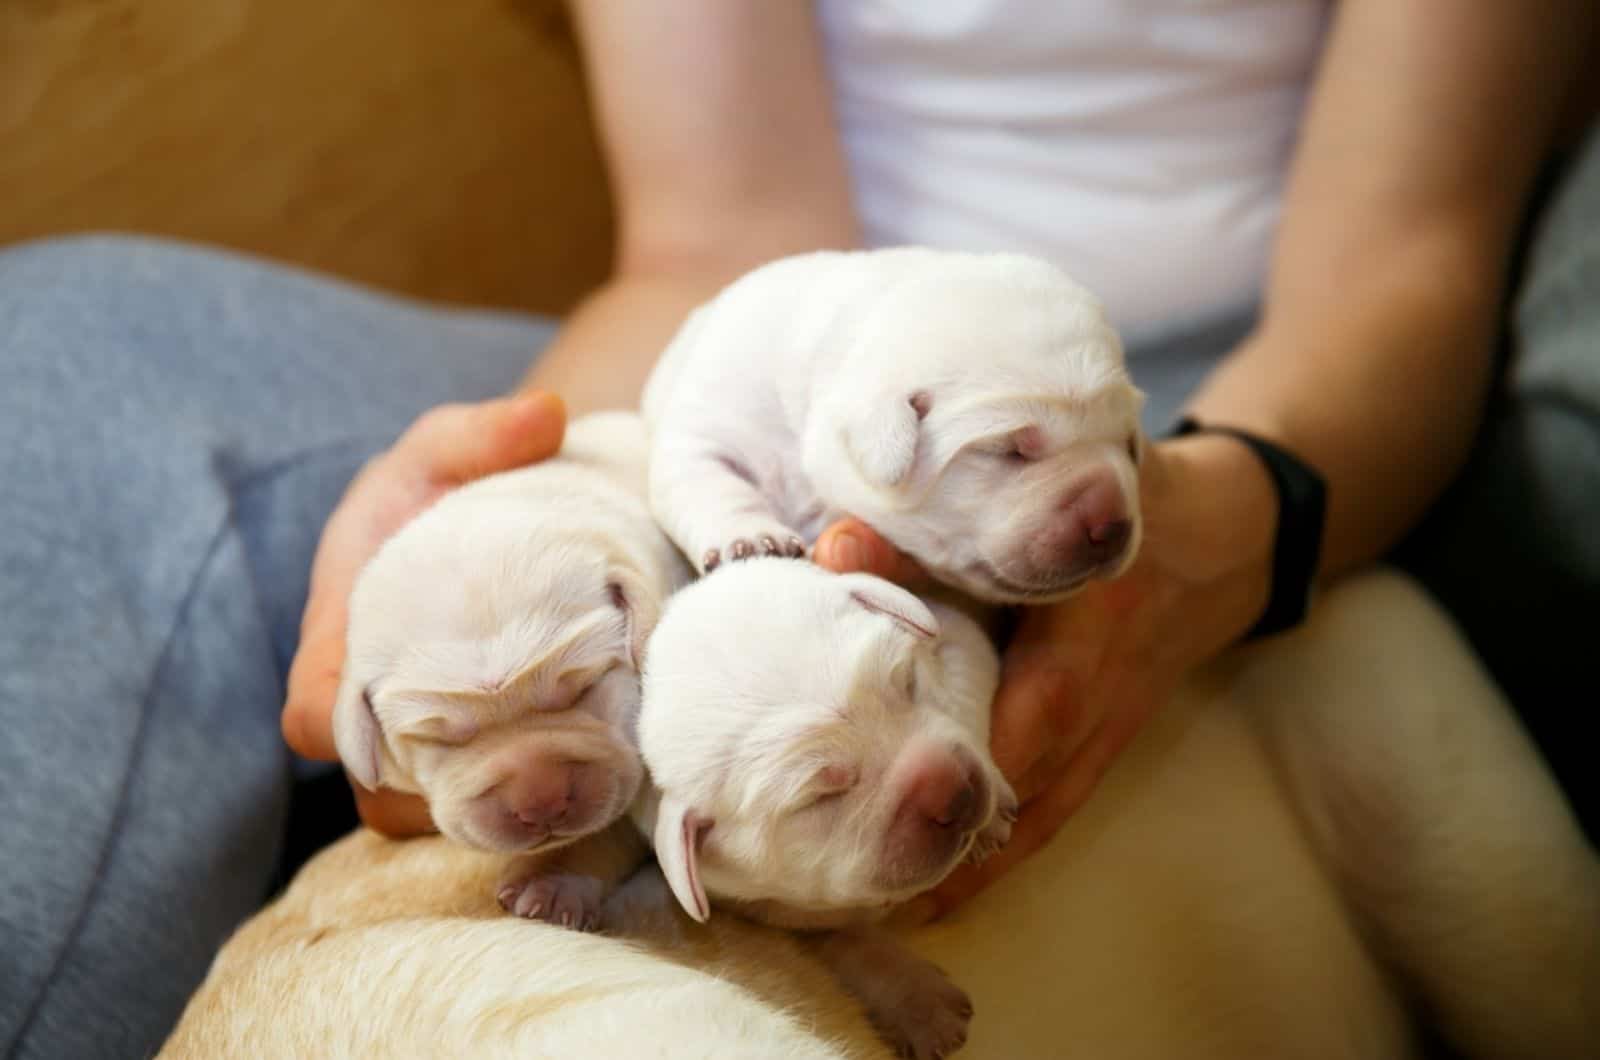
x,y
890,600
679,833
639,606
356,735
880,435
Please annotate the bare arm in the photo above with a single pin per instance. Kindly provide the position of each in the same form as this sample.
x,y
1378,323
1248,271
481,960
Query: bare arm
x,y
719,139
1422,140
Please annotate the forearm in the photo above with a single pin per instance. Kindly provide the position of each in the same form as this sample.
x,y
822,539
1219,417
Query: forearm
x,y
607,347
1422,139
716,124
1380,389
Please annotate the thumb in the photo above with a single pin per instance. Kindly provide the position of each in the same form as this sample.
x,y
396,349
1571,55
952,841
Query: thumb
x,y
850,545
459,443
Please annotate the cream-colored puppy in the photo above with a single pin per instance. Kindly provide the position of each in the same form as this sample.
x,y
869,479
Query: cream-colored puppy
x,y
973,408
494,652
818,748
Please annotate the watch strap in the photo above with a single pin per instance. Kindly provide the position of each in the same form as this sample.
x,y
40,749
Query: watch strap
x,y
1302,516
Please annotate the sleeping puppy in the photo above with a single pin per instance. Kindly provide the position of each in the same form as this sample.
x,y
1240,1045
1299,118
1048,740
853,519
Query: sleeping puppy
x,y
494,654
825,764
973,408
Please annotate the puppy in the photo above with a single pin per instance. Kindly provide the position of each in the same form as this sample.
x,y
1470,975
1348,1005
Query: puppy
x,y
975,409
494,653
818,752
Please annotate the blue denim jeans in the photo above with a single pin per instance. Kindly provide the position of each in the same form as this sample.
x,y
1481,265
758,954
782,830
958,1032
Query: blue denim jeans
x,y
175,426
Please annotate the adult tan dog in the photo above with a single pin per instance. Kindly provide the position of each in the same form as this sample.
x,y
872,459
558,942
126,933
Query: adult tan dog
x,y
1184,912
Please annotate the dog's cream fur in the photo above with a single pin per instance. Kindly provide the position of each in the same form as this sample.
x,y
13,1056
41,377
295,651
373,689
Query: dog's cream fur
x,y
779,756
1353,789
495,643
960,403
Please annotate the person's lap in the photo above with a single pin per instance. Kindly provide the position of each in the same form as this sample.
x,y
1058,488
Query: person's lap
x,y
176,425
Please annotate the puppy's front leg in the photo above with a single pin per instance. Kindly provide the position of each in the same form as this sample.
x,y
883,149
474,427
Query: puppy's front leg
x,y
913,1004
568,886
708,500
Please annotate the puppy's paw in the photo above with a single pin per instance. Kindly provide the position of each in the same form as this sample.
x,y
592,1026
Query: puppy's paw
x,y
757,538
997,833
912,1004
927,1017
566,899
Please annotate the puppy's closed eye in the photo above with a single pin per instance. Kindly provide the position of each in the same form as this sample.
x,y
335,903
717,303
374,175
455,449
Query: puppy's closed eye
x,y
832,781
449,729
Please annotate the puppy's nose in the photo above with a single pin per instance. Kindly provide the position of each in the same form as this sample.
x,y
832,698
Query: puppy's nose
x,y
541,796
1092,528
946,794
1107,540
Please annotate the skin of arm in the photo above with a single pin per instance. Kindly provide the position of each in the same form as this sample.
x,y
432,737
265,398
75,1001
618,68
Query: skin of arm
x,y
1422,140
717,130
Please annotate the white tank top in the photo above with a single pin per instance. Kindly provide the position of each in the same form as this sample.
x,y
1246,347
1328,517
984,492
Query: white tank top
x,y
1140,144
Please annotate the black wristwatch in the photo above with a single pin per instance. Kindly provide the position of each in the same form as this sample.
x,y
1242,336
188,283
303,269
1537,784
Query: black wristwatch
x,y
1302,513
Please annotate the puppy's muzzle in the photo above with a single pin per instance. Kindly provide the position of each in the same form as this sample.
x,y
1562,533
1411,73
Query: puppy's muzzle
x,y
545,798
945,799
1088,533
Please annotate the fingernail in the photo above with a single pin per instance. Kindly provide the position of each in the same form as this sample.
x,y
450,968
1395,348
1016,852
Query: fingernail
x,y
847,553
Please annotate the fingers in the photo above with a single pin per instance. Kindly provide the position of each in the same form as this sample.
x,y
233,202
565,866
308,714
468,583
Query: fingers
x,y
1043,709
307,719
392,813
458,443
850,545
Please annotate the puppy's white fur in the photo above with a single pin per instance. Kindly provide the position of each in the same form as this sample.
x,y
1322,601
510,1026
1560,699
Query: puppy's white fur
x,y
495,642
973,408
785,712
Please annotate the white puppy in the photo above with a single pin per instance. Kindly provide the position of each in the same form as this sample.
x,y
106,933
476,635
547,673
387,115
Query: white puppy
x,y
494,651
973,408
818,746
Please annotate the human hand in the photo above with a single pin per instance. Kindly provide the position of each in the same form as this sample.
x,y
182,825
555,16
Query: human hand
x,y
446,447
1080,677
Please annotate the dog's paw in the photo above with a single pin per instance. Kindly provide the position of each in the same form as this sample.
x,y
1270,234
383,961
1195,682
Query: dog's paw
x,y
912,1004
997,833
758,539
927,1018
566,899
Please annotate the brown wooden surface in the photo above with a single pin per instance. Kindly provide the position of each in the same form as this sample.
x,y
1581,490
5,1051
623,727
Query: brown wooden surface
x,y
440,148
